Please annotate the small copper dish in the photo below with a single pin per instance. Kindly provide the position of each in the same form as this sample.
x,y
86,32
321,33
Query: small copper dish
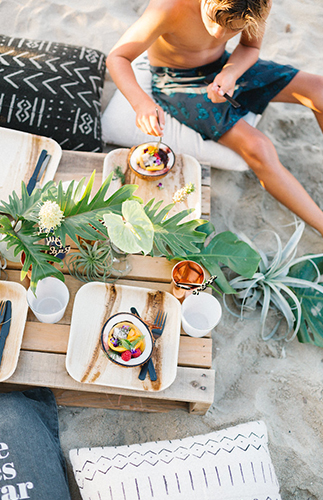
x,y
136,164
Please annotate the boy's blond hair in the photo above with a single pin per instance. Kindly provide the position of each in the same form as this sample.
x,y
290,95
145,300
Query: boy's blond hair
x,y
253,12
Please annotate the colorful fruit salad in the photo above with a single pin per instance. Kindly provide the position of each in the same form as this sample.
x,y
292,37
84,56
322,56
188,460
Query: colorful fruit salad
x,y
152,159
126,340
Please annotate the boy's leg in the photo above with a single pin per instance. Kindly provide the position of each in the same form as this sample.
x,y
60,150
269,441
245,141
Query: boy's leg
x,y
306,89
260,154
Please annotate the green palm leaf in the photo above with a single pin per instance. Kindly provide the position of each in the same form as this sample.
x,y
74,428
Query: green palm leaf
x,y
83,216
172,236
311,300
227,249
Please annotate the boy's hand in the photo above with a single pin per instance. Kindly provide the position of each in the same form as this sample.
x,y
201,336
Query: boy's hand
x,y
223,83
146,118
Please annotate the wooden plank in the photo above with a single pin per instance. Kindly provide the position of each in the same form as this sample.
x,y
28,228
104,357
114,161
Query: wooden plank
x,y
76,164
42,337
117,402
206,174
143,268
46,369
206,202
195,352
109,401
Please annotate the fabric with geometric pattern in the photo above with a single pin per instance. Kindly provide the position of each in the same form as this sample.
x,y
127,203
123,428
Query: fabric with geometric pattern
x,y
52,89
231,464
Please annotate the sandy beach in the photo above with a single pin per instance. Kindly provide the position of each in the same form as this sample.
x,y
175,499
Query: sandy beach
x,y
277,382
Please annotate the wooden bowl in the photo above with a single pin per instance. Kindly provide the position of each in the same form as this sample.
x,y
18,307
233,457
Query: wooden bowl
x,y
134,161
144,329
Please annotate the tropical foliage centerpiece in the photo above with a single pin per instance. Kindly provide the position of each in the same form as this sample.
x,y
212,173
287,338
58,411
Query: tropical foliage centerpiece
x,y
121,218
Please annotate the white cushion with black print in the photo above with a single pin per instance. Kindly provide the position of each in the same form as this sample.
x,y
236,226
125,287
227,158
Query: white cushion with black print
x,y
230,464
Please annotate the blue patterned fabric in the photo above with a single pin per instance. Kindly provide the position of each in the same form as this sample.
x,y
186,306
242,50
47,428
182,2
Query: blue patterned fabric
x,y
182,93
32,464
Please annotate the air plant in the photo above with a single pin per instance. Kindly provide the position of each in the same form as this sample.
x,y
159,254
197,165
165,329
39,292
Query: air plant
x,y
91,262
276,285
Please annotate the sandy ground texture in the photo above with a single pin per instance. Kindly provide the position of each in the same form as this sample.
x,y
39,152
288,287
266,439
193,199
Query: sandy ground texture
x,y
278,382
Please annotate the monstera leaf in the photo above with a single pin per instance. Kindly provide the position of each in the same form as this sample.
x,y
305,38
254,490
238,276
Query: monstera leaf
x,y
26,240
84,216
172,236
226,248
311,328
133,231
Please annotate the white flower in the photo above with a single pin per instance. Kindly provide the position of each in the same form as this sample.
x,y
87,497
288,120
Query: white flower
x,y
183,193
50,216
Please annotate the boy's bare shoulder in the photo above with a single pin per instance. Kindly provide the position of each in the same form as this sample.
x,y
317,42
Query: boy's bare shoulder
x,y
174,9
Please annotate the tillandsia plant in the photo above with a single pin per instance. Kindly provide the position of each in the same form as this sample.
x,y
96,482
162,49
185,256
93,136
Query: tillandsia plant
x,y
288,285
91,262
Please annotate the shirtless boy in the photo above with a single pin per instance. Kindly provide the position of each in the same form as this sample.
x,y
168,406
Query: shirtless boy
x,y
186,42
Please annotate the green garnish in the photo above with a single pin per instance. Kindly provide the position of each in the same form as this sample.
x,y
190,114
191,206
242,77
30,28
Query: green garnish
x,y
130,345
118,174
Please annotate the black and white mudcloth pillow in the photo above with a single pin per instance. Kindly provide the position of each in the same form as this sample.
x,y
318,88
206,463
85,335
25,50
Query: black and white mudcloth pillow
x,y
52,89
231,464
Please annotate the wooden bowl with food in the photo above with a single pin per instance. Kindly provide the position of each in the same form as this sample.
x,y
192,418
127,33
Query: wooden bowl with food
x,y
151,161
127,339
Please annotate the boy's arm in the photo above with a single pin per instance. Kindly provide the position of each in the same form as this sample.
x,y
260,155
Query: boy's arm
x,y
136,40
242,58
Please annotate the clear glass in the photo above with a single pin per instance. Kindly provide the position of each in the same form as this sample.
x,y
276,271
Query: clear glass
x,y
120,265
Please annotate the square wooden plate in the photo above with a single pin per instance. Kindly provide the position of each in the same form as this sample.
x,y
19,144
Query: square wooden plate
x,y
94,304
186,169
15,292
19,155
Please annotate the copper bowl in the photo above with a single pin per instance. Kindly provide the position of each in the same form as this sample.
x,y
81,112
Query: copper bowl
x,y
133,161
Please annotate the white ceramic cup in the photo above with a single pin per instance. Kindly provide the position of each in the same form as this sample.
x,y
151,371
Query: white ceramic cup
x,y
200,313
49,301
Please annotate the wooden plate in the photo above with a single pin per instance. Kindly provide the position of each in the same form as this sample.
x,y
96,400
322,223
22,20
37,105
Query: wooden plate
x,y
94,304
186,169
15,292
19,155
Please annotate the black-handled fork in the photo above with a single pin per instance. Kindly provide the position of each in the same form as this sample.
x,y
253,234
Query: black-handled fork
x,y
146,366
156,330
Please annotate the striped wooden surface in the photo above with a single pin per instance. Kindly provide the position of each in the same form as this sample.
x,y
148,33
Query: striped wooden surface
x,y
44,346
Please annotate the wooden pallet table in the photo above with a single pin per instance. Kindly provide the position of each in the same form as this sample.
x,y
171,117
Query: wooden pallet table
x,y
43,353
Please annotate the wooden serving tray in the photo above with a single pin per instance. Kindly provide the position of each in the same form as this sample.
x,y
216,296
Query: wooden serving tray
x,y
19,155
9,290
186,169
94,303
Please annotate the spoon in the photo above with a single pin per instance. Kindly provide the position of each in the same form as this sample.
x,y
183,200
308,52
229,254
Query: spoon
x,y
160,137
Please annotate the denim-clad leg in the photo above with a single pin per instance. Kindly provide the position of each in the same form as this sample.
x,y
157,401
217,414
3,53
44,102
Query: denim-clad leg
x,y
31,461
182,93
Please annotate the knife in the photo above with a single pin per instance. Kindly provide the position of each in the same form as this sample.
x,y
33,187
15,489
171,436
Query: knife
x,y
149,365
42,170
204,90
5,328
33,179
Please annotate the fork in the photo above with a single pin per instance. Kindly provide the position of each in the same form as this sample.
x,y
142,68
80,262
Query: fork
x,y
159,324
160,137
2,309
156,330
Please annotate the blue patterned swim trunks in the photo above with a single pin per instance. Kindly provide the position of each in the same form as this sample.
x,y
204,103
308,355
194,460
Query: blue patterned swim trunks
x,y
182,93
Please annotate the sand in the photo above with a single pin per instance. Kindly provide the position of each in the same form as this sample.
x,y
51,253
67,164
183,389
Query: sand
x,y
278,382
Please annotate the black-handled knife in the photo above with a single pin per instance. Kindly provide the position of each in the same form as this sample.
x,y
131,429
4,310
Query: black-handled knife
x,y
149,365
33,179
5,327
